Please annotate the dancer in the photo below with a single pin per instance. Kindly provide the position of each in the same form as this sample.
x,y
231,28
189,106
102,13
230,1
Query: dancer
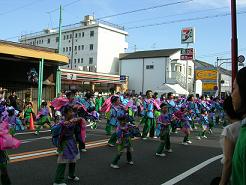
x,y
164,120
124,143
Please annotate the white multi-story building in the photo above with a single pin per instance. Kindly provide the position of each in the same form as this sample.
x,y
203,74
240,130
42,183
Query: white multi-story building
x,y
150,69
90,45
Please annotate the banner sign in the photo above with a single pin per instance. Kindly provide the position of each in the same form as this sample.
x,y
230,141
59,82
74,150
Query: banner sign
x,y
187,54
206,74
188,35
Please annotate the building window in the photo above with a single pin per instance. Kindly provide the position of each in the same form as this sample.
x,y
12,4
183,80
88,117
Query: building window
x,y
70,49
63,50
82,47
75,66
92,68
76,35
149,66
48,41
90,60
78,60
189,71
57,39
64,38
180,68
71,36
91,46
81,60
39,41
78,47
42,41
85,68
75,48
91,33
79,34
67,36
66,49
69,61
75,60
83,34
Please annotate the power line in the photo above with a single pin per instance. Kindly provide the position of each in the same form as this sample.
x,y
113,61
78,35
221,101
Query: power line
x,y
19,8
184,20
66,5
144,9
222,53
172,15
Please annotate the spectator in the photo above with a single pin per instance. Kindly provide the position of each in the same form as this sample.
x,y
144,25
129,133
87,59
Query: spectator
x,y
239,104
229,138
13,99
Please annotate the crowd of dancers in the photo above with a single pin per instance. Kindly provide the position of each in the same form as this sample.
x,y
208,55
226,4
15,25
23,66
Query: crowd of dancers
x,y
70,114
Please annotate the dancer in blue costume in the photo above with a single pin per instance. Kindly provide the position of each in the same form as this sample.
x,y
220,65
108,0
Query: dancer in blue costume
x,y
124,143
204,123
148,115
193,110
164,121
68,152
43,116
172,107
116,111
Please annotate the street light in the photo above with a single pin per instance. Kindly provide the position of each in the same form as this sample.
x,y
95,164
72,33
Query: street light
x,y
218,72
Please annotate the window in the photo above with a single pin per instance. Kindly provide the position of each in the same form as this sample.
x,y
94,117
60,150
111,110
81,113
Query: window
x,y
91,33
64,38
75,66
76,35
39,41
57,39
180,68
82,47
189,71
173,67
48,41
91,46
85,68
79,34
149,66
70,49
42,41
63,50
90,60
81,60
69,61
75,60
67,36
92,68
78,47
75,48
71,36
78,60
83,34
66,49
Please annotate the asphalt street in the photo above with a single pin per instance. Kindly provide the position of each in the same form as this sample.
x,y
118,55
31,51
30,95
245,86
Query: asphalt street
x,y
93,167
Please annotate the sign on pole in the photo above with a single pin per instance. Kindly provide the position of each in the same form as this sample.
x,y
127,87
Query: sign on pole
x,y
187,54
241,59
122,78
71,76
188,35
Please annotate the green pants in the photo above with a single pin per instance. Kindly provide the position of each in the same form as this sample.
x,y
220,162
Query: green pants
x,y
113,139
117,157
149,127
42,121
108,128
4,175
165,140
60,172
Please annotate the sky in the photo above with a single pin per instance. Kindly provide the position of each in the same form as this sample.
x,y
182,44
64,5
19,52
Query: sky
x,y
155,28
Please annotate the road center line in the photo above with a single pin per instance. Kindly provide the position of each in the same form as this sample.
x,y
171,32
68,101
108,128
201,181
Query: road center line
x,y
192,170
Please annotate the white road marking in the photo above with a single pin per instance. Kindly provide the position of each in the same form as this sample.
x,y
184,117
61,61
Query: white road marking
x,y
192,170
34,139
25,133
52,151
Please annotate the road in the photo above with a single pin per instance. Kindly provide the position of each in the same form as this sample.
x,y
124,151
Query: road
x,y
34,163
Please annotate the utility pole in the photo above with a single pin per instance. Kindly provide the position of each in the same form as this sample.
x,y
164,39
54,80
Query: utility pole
x,y
58,72
218,72
234,41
